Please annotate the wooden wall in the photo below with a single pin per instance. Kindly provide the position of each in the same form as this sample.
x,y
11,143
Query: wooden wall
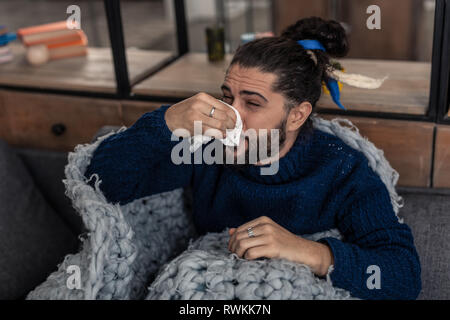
x,y
408,146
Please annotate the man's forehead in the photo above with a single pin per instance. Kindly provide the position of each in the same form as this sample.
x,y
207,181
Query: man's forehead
x,y
242,78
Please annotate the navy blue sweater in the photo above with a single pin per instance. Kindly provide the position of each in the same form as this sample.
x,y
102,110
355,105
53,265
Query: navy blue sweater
x,y
322,183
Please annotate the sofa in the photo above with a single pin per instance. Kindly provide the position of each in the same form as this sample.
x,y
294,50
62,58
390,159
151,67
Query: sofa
x,y
39,226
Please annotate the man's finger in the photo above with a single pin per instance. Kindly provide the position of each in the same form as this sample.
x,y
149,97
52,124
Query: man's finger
x,y
210,100
253,223
242,228
223,116
206,104
242,235
258,252
212,132
213,123
243,245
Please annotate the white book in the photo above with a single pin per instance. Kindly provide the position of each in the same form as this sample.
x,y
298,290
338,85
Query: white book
x,y
6,58
4,50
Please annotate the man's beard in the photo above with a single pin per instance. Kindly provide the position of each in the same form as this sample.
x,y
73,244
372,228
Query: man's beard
x,y
254,148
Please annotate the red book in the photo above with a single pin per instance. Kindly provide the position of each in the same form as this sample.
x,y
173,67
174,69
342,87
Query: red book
x,y
68,49
64,35
61,25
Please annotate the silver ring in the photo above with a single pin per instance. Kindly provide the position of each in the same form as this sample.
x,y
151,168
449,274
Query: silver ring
x,y
250,232
211,113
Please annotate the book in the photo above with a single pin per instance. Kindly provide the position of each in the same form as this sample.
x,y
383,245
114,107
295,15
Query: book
x,y
60,41
54,26
68,52
57,36
4,50
6,38
68,49
6,54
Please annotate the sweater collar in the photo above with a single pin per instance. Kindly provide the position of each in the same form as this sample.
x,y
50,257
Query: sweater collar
x,y
292,166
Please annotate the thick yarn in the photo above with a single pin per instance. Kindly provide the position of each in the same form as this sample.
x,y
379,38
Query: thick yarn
x,y
127,246
207,271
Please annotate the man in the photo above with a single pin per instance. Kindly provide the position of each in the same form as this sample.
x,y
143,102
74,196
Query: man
x,y
321,183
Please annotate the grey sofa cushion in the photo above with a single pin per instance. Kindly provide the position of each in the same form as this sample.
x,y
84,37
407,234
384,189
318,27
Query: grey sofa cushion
x,y
33,238
47,170
428,216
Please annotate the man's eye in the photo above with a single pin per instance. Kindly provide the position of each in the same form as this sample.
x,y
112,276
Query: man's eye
x,y
227,97
253,104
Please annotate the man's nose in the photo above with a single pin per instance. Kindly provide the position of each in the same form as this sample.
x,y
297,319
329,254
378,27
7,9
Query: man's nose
x,y
241,111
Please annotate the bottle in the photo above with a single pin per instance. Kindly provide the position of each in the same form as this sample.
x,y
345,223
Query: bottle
x,y
215,41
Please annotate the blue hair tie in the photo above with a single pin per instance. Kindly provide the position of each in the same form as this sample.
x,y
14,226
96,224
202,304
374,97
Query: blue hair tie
x,y
332,84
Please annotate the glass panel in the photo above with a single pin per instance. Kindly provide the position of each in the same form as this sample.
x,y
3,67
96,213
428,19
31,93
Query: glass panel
x,y
150,35
93,72
237,16
401,49
230,17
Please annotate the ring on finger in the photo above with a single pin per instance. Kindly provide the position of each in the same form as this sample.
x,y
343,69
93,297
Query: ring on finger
x,y
250,232
211,113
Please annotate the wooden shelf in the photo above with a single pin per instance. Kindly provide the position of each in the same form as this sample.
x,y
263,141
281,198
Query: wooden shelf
x,y
406,91
93,73
190,74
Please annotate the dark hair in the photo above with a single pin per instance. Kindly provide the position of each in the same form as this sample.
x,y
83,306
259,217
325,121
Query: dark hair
x,y
299,77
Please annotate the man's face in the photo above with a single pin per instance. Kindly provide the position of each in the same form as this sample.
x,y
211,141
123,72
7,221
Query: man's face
x,y
250,92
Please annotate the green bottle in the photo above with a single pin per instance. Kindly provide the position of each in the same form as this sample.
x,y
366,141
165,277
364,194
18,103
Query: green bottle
x,y
215,41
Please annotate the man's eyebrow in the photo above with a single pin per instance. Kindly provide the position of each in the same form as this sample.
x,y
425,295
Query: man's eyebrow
x,y
252,93
224,87
246,92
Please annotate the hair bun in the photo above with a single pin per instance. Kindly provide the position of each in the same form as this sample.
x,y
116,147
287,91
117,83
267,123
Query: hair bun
x,y
328,32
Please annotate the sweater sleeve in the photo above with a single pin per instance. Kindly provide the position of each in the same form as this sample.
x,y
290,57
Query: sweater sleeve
x,y
137,161
374,243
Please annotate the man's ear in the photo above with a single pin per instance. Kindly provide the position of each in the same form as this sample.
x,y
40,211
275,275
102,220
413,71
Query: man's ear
x,y
298,115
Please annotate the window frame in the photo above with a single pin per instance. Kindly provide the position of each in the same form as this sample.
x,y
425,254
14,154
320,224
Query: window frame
x,y
442,66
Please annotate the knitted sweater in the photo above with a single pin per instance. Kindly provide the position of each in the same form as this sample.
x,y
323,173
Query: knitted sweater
x,y
321,184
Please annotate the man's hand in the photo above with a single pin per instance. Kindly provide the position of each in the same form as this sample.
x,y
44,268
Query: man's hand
x,y
273,241
197,108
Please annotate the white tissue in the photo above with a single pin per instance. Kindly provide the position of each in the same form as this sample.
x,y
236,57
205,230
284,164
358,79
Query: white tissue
x,y
232,138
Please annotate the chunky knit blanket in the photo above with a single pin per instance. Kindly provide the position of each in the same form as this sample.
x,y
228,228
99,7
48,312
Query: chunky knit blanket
x,y
148,248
